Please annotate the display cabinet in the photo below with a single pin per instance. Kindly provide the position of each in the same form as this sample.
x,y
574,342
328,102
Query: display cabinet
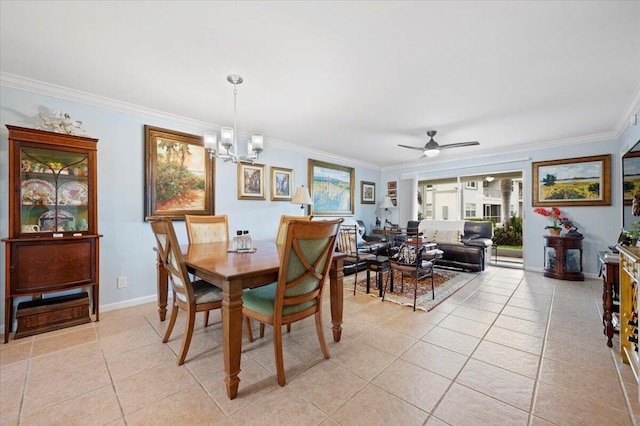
x,y
53,242
563,257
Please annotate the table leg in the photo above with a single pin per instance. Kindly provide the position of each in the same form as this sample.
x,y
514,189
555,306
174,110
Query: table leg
x,y
232,334
368,276
163,289
336,276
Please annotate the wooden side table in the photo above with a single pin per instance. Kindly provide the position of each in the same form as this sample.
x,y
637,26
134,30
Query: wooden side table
x,y
609,269
563,257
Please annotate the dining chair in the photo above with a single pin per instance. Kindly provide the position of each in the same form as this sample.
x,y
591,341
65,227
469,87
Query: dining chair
x,y
190,296
409,257
207,229
348,244
305,258
284,221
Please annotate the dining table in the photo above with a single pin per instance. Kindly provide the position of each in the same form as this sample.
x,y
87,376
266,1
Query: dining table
x,y
233,272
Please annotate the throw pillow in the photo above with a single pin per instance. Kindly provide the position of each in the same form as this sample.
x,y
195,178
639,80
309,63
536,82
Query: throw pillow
x,y
447,237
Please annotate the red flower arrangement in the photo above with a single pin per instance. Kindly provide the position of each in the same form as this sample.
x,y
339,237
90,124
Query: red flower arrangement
x,y
555,214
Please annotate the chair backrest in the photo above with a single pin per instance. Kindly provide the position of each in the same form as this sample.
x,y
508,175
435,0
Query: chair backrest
x,y
171,257
304,265
207,229
284,221
348,240
407,247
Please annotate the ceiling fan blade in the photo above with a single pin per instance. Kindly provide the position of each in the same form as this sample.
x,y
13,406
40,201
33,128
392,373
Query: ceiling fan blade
x,y
412,147
459,144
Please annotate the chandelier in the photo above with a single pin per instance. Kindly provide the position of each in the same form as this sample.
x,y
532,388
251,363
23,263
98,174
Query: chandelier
x,y
227,148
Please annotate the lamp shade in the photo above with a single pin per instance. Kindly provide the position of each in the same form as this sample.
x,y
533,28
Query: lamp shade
x,y
301,196
386,203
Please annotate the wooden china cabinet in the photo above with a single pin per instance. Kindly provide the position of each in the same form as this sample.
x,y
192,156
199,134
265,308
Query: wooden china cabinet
x,y
53,242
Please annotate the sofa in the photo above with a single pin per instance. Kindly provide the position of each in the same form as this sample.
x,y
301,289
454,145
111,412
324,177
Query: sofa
x,y
466,244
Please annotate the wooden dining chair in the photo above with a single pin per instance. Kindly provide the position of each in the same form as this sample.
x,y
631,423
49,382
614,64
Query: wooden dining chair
x,y
305,259
348,244
207,229
190,296
284,221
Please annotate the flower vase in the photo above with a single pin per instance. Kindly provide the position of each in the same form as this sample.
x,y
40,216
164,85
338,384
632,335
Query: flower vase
x,y
554,231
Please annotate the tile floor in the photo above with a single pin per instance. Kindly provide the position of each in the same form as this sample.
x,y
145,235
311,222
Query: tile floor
x,y
510,348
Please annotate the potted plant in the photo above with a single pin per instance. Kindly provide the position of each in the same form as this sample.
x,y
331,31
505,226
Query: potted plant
x,y
634,233
555,215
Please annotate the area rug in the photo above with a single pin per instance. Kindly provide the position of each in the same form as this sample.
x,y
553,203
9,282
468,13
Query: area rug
x,y
446,283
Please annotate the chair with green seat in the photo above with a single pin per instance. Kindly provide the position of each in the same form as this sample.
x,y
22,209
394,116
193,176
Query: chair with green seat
x,y
305,258
192,297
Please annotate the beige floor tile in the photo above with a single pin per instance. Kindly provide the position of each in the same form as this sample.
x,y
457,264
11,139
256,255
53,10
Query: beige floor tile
x,y
582,382
147,387
501,384
282,406
558,406
189,406
414,324
491,297
489,288
475,314
388,340
48,389
465,326
97,407
537,329
413,384
513,339
464,406
526,314
318,386
88,354
15,351
435,358
363,360
12,382
597,358
141,358
452,340
520,362
374,406
65,338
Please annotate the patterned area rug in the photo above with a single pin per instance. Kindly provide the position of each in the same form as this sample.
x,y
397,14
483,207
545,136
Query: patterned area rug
x,y
446,283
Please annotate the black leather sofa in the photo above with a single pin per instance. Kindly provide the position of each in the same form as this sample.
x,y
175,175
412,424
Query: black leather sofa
x,y
472,253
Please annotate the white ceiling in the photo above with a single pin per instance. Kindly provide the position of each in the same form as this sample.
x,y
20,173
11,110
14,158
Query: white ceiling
x,y
349,78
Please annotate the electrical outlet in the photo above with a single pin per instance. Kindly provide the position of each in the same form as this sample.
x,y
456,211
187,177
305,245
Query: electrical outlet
x,y
121,282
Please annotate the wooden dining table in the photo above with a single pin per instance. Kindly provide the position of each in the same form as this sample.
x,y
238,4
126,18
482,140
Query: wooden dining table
x,y
233,272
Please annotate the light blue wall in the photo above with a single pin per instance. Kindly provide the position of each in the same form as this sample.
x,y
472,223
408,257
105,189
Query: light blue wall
x,y
126,248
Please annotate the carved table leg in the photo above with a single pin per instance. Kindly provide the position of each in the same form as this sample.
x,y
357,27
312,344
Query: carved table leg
x,y
336,276
232,334
163,289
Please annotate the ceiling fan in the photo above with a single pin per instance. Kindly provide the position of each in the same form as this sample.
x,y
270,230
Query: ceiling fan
x,y
432,148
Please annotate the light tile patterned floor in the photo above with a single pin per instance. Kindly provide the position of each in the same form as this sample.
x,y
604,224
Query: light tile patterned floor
x,y
510,348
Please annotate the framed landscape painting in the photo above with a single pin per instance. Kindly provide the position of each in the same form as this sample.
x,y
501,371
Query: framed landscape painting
x,y
631,176
251,181
367,192
582,181
332,189
281,180
178,175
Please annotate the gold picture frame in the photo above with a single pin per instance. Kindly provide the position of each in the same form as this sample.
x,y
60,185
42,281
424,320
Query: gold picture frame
x,y
251,181
179,175
331,189
581,181
281,181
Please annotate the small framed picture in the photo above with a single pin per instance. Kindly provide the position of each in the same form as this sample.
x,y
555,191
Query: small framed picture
x,y
281,180
392,193
251,181
367,192
392,185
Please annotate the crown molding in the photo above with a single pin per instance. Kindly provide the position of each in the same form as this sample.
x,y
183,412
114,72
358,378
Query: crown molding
x,y
48,89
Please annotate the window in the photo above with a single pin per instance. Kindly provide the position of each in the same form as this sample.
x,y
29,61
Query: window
x,y
469,210
471,184
428,211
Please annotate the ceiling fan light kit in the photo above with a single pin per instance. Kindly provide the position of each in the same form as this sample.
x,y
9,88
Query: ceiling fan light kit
x,y
432,148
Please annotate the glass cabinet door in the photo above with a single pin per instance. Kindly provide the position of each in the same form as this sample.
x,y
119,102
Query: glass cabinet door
x,y
550,258
54,191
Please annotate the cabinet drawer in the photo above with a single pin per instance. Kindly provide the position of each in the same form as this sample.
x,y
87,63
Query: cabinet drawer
x,y
55,265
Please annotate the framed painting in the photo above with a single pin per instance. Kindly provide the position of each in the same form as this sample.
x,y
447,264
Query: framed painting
x,y
392,184
630,176
582,181
178,175
332,189
281,180
367,192
251,181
